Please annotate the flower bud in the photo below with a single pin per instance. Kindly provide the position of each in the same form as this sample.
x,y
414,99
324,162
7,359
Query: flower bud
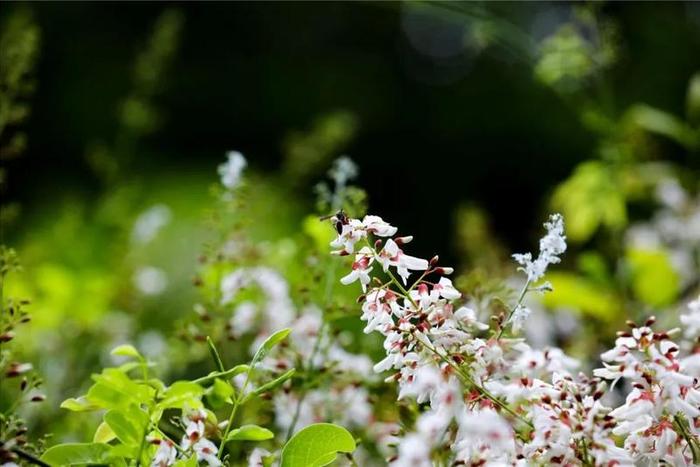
x,y
445,271
7,336
403,240
434,260
15,369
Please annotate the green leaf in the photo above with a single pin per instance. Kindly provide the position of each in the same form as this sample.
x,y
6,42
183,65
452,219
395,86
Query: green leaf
x,y
114,389
103,434
269,343
219,394
657,121
126,350
249,433
128,424
267,387
317,445
180,394
81,404
78,454
653,278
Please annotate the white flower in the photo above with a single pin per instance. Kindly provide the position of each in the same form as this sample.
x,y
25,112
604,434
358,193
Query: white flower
x,y
165,454
375,225
446,290
207,452
467,316
414,451
552,245
257,457
149,223
343,169
231,170
150,280
520,315
691,321
351,232
360,270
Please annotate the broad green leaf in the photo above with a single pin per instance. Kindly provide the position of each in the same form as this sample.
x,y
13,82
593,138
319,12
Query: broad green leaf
x,y
269,343
81,404
128,424
126,350
583,295
317,445
219,394
653,278
103,434
250,433
77,454
114,389
182,393
267,387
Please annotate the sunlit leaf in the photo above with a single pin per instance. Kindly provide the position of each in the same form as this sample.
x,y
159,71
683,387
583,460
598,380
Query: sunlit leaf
x,y
317,445
591,197
249,433
103,434
128,424
80,404
653,278
269,343
126,350
78,454
219,394
180,394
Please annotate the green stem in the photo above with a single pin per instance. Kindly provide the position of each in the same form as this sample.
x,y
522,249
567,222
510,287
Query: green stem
x,y
466,378
236,403
523,292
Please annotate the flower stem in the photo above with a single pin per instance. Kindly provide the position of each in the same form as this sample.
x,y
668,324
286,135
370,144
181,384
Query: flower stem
x,y
523,292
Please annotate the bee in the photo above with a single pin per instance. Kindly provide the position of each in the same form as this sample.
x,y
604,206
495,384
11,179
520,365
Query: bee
x,y
339,219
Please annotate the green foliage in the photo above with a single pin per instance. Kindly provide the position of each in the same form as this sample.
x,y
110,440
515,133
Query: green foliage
x,y
317,445
135,405
590,198
578,51
573,291
19,48
653,279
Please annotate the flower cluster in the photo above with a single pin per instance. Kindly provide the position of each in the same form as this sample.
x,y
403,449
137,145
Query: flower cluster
x,y
194,443
552,246
487,397
661,415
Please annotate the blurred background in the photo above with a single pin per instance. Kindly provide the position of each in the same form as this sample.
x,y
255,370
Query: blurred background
x,y
468,123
